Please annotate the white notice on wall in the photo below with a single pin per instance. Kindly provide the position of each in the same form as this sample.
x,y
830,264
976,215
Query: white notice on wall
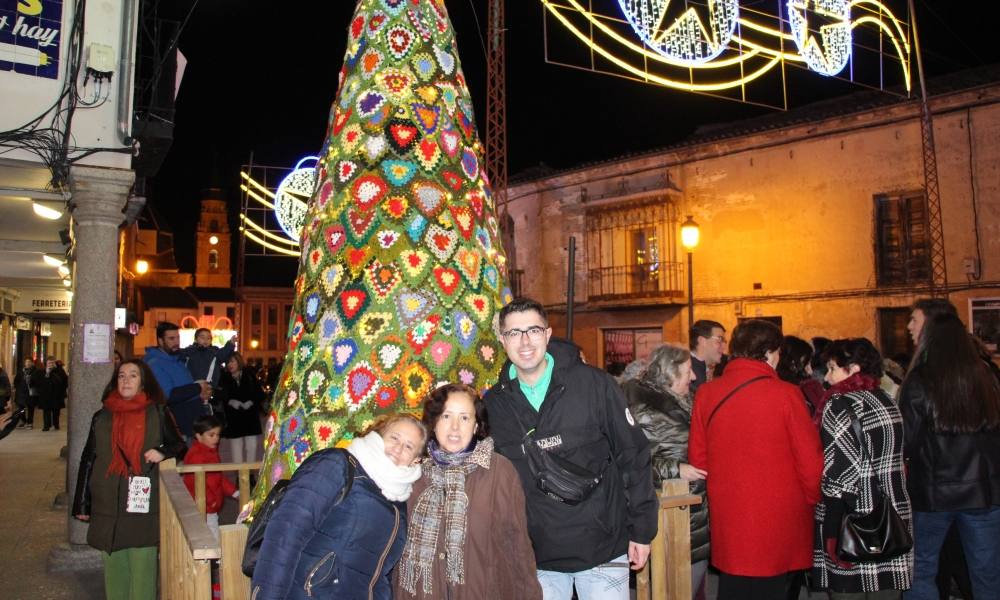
x,y
96,343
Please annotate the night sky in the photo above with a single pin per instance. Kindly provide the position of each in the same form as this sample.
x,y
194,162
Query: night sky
x,y
261,77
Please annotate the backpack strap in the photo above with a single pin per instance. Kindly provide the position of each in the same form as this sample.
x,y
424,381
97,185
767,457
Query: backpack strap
x,y
730,395
348,478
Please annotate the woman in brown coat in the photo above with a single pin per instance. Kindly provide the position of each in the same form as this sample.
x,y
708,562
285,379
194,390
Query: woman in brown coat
x,y
468,534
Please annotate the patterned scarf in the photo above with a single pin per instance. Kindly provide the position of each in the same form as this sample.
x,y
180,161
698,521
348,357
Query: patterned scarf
x,y
128,431
445,501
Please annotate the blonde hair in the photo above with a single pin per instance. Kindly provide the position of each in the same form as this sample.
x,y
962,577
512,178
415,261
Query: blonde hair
x,y
382,422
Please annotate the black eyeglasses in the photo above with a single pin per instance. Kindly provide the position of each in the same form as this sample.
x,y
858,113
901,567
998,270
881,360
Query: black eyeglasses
x,y
534,333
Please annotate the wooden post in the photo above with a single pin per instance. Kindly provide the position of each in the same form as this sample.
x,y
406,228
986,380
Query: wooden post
x,y
235,585
199,492
244,486
676,527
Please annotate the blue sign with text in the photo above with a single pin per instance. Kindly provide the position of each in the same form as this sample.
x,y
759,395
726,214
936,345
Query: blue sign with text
x,y
30,37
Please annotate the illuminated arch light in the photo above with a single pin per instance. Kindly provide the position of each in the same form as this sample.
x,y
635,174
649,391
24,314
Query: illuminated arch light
x,y
746,49
827,55
292,197
686,39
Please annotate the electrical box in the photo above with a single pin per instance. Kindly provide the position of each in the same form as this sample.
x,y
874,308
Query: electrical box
x,y
970,266
101,58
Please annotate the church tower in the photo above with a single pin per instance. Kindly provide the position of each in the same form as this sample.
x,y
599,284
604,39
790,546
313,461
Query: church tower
x,y
213,243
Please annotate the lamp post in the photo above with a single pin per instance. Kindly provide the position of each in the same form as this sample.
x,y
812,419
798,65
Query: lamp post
x,y
689,239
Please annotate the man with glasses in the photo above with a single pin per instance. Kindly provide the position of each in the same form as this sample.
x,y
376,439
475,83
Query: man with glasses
x,y
548,397
707,341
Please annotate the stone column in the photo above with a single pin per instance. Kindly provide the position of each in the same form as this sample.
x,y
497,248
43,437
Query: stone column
x,y
99,195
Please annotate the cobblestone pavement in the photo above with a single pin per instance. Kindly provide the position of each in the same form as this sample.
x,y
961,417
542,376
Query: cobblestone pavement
x,y
31,476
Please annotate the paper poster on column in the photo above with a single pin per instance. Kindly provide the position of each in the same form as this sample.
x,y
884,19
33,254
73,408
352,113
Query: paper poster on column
x,y
96,343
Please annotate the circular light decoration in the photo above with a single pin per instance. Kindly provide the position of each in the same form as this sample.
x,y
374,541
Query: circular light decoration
x,y
828,52
291,200
686,38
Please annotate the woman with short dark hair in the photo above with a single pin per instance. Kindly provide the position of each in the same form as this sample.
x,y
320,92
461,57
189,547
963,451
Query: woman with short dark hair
x,y
795,366
752,434
468,532
854,470
950,404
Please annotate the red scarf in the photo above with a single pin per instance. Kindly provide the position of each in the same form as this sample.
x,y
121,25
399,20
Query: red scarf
x,y
854,383
128,430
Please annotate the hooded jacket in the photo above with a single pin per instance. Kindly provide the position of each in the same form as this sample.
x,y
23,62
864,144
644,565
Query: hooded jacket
x,y
181,392
199,360
583,419
666,421
315,547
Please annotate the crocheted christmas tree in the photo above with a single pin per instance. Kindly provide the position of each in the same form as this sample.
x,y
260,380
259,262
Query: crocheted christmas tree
x,y
402,270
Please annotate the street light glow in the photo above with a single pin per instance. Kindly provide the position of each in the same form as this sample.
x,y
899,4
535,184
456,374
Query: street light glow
x,y
689,234
213,240
141,267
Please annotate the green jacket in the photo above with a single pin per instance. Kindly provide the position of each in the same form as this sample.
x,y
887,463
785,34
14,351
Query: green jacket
x,y
103,497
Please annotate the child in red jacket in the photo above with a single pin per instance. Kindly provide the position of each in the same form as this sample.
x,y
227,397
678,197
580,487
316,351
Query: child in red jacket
x,y
205,451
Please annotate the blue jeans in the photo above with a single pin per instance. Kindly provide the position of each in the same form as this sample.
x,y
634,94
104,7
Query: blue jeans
x,y
603,582
980,534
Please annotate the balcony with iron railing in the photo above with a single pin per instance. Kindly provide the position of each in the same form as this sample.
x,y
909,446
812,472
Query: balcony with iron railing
x,y
642,283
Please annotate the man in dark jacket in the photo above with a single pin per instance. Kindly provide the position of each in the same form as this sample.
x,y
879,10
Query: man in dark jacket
x,y
55,382
577,413
186,398
707,341
28,387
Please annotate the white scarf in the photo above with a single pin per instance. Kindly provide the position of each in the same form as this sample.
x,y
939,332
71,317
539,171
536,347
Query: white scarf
x,y
395,482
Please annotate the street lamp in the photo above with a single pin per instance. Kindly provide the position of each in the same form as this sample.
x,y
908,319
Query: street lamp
x,y
141,266
689,239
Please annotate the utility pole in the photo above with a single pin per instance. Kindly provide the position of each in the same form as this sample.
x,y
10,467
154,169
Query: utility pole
x,y
496,110
935,226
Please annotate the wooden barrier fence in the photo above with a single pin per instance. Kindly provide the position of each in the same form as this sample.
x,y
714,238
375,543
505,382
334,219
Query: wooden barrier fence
x,y
187,545
667,574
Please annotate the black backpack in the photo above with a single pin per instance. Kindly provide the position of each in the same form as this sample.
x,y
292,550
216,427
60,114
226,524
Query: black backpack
x,y
255,536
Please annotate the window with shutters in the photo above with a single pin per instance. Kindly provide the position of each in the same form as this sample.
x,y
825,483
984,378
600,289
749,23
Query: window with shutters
x,y
902,239
631,251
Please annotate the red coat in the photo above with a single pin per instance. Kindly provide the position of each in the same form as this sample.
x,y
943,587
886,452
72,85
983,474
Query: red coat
x,y
764,463
217,486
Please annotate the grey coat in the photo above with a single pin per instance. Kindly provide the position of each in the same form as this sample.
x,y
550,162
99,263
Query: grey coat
x,y
666,421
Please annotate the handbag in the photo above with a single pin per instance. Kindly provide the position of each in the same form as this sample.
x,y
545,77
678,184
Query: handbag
x,y
558,478
879,535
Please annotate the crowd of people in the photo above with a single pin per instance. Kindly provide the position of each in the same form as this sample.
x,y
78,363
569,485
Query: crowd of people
x,y
545,485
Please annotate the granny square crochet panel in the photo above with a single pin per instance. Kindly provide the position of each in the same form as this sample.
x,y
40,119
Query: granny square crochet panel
x,y
402,271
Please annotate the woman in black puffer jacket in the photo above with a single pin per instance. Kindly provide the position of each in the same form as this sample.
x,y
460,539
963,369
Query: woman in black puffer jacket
x,y
660,400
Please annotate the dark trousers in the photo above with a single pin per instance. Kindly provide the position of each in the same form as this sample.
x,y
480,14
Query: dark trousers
x,y
51,418
739,587
29,410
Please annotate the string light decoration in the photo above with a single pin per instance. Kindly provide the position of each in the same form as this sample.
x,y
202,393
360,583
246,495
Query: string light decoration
x,y
720,47
686,38
828,52
292,196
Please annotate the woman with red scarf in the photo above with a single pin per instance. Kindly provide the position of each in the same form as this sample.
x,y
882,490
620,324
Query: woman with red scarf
x,y
854,470
116,490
